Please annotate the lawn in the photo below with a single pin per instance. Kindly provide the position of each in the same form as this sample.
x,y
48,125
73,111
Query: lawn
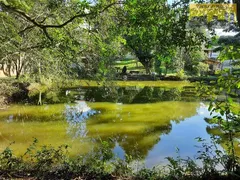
x,y
135,65
132,65
169,84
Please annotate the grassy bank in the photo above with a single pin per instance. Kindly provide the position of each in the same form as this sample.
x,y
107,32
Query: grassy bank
x,y
18,91
89,83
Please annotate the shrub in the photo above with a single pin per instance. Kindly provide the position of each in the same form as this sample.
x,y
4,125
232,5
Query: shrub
x,y
7,89
202,68
181,74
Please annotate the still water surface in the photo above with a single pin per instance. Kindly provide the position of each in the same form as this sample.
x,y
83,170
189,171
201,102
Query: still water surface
x,y
147,123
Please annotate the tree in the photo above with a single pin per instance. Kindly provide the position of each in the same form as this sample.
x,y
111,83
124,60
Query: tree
x,y
78,33
153,28
57,38
226,110
56,14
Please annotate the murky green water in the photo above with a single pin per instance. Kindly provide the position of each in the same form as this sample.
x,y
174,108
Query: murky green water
x,y
148,123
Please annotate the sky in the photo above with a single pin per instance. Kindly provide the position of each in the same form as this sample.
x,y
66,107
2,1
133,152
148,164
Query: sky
x,y
220,32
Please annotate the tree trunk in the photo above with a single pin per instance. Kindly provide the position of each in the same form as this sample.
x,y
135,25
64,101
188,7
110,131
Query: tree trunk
x,y
148,70
7,70
40,93
40,98
17,75
238,11
19,64
147,63
166,70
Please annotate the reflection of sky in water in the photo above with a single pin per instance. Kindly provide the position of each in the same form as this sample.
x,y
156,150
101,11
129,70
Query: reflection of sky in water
x,y
182,136
118,150
152,131
10,119
76,117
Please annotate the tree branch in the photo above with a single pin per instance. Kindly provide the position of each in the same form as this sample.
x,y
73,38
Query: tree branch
x,y
38,46
46,34
175,4
25,29
45,26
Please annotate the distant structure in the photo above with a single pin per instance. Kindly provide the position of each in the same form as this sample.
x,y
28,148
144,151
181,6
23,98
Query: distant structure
x,y
212,58
214,63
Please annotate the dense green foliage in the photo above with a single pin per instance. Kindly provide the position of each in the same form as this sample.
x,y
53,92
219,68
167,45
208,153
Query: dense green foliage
x,y
44,42
49,38
83,39
154,32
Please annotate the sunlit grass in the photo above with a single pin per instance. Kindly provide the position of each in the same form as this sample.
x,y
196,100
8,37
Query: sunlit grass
x,y
167,84
127,62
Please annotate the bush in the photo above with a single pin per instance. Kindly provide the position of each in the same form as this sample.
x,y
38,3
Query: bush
x,y
181,74
202,69
7,89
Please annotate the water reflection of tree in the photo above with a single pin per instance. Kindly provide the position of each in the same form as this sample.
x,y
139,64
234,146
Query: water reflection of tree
x,y
102,94
132,94
139,146
155,94
135,125
215,130
116,127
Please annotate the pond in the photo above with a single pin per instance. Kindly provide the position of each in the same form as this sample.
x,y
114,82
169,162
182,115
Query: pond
x,y
148,123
